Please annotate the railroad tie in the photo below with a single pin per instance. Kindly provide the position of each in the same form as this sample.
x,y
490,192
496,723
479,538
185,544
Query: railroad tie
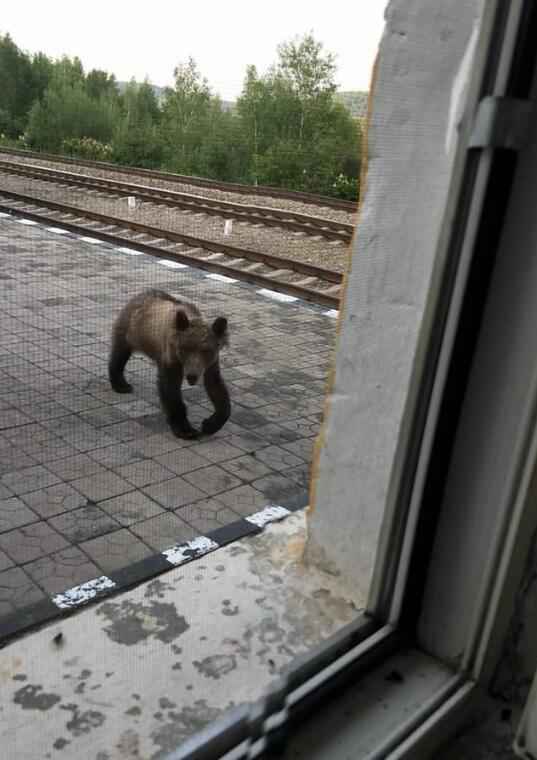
x,y
306,282
281,273
234,262
332,291
254,267
213,256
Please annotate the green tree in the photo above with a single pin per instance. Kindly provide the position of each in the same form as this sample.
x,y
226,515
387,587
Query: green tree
x,y
16,90
101,84
298,136
310,73
42,69
67,111
137,138
185,117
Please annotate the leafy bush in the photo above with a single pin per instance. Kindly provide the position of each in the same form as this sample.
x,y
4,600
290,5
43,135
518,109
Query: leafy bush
x,y
87,147
346,187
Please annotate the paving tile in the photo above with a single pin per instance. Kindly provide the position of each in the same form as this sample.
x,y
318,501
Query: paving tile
x,y
144,473
277,458
103,415
216,450
5,492
207,515
10,418
104,485
116,455
128,430
46,410
17,590
302,448
31,542
159,443
54,500
174,493
77,466
83,523
62,570
183,460
212,480
137,408
14,458
131,507
304,426
300,475
164,531
14,513
246,440
277,489
29,479
247,467
244,500
5,561
277,435
247,418
116,550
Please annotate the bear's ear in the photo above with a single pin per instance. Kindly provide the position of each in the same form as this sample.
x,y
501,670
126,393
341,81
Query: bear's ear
x,y
219,327
181,320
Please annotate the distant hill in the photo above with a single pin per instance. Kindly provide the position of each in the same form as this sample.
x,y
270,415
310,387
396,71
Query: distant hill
x,y
355,101
159,91
227,105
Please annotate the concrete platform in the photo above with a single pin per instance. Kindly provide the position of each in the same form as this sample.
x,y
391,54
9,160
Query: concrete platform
x,y
135,675
91,481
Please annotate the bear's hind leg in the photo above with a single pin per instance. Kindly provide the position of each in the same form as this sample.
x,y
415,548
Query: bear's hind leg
x,y
218,393
169,389
119,356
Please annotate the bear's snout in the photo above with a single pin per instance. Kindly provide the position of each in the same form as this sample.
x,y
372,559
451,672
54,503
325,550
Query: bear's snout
x,y
192,379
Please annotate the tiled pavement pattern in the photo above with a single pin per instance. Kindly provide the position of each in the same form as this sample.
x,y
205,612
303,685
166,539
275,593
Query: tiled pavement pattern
x,y
90,480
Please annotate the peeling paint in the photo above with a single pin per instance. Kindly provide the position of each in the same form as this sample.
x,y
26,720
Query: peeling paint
x,y
181,553
83,722
157,588
132,622
128,745
183,724
78,595
268,515
227,609
29,698
217,665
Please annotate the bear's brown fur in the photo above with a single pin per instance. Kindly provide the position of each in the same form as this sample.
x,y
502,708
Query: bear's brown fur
x,y
174,335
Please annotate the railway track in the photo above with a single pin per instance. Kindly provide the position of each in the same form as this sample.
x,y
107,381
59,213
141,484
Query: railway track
x,y
296,222
234,187
295,278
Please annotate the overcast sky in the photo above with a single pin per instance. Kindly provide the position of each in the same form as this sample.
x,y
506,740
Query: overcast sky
x,y
139,39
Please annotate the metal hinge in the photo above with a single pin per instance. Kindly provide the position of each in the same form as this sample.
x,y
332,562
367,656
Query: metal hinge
x,y
502,123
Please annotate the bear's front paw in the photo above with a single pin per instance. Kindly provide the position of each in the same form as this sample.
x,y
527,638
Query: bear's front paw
x,y
187,433
212,425
122,387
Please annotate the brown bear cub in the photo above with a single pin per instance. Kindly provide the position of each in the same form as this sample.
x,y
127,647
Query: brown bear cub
x,y
174,335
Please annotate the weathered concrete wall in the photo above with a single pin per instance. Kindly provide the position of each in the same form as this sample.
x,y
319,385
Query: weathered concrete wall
x,y
136,674
410,154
